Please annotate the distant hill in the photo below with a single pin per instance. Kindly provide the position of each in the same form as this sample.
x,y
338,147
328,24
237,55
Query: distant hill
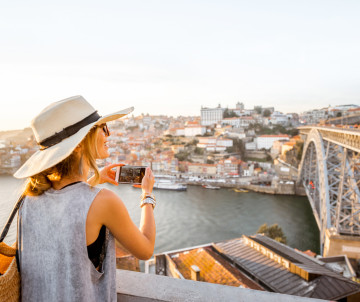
x,y
16,136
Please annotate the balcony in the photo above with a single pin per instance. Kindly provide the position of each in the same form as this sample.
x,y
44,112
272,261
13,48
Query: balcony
x,y
140,287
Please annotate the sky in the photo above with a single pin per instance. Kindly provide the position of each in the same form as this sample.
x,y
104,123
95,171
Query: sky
x,y
172,57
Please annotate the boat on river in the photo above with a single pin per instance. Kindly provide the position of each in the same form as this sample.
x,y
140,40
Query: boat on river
x,y
241,190
165,184
210,187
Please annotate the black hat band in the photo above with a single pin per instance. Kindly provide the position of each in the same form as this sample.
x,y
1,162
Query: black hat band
x,y
68,131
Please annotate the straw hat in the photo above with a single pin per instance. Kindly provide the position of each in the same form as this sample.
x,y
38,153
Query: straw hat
x,y
59,128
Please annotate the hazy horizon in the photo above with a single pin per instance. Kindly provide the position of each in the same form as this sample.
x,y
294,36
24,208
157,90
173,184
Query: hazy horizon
x,y
171,58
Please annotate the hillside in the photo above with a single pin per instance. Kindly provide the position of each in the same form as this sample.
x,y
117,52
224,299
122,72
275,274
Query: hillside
x,y
16,136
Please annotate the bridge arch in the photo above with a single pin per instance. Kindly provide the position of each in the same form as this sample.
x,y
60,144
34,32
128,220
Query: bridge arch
x,y
313,175
330,173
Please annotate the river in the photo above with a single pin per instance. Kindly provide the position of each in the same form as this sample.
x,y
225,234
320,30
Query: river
x,y
199,215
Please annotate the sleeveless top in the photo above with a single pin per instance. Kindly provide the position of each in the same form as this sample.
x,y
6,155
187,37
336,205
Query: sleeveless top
x,y
54,262
94,249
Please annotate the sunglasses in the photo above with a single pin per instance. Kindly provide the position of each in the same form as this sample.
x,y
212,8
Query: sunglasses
x,y
105,128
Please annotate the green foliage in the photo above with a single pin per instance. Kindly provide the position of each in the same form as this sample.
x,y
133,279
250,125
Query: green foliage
x,y
230,149
299,146
194,142
274,232
260,160
182,156
338,114
238,147
275,129
258,109
199,151
210,161
266,113
229,113
209,133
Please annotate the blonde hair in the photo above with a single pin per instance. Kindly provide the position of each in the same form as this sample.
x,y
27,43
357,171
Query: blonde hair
x,y
39,183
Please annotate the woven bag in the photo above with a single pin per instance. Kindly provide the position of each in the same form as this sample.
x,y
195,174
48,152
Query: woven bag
x,y
10,275
9,271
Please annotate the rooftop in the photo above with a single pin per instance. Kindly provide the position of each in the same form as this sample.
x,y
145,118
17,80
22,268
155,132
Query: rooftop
x,y
213,268
284,270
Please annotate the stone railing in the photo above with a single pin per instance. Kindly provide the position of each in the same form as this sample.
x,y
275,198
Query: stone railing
x,y
140,287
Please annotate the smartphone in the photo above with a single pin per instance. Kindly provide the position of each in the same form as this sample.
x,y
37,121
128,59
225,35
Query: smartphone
x,y
130,174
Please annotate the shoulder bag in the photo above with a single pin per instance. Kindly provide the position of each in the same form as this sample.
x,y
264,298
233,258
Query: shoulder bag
x,y
9,265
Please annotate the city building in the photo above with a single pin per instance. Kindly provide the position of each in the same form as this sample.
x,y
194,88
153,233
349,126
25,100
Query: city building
x,y
229,167
275,150
193,130
266,141
211,116
239,122
213,144
200,169
278,118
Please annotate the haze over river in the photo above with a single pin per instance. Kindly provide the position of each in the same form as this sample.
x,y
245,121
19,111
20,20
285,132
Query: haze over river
x,y
199,215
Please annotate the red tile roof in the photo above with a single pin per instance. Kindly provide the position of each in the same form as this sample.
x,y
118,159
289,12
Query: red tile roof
x,y
213,268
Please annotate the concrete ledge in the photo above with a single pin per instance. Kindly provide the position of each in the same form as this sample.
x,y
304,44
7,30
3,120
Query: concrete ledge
x,y
140,287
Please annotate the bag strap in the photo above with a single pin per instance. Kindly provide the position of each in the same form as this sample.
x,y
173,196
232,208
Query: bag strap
x,y
11,218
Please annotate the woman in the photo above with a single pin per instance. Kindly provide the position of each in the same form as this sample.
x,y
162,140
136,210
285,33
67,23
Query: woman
x,y
67,225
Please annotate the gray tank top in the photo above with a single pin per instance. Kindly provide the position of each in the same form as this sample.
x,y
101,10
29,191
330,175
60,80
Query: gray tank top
x,y
54,260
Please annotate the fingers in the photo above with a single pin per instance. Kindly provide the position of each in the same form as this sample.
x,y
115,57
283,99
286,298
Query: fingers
x,y
112,181
115,165
148,181
149,173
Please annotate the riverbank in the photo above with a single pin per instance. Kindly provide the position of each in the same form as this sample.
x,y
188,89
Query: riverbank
x,y
279,189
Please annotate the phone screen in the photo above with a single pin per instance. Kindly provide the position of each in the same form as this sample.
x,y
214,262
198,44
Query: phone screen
x,y
131,174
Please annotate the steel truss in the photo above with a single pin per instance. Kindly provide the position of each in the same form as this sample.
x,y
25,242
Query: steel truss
x,y
330,174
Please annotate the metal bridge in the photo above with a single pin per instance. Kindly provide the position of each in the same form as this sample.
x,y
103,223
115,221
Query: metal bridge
x,y
330,173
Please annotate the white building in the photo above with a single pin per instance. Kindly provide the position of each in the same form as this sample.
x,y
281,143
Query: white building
x,y
179,131
240,134
194,130
232,121
214,144
266,141
250,146
278,118
210,116
223,142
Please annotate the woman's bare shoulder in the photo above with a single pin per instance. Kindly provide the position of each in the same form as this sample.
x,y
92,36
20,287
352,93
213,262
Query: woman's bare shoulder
x,y
106,194
107,197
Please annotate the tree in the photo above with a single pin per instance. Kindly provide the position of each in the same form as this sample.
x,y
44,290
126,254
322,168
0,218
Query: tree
x,y
192,143
299,146
182,156
338,114
229,113
199,151
274,232
258,109
266,113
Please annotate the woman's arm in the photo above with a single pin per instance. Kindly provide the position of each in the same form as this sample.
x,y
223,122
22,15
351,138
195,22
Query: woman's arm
x,y
108,209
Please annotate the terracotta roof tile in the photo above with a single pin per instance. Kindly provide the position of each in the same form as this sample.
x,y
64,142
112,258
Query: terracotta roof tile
x,y
213,268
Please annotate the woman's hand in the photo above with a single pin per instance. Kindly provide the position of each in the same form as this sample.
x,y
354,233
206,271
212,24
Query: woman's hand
x,y
148,181
107,175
